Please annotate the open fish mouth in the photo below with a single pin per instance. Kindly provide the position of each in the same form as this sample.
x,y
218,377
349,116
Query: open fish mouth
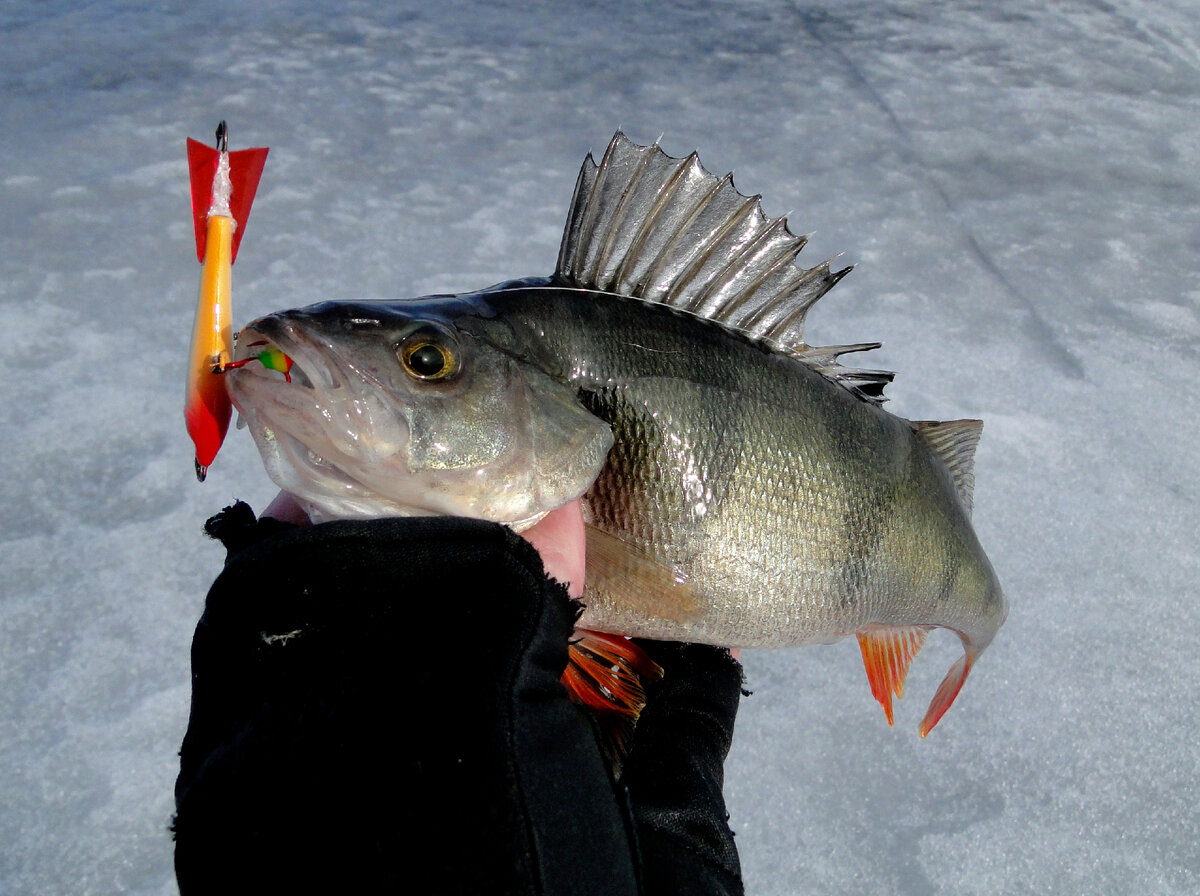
x,y
283,355
301,461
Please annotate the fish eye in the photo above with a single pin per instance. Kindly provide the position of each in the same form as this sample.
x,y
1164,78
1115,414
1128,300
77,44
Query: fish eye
x,y
427,357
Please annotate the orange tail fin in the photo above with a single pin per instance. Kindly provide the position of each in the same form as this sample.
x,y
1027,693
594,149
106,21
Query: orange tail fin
x,y
606,673
946,692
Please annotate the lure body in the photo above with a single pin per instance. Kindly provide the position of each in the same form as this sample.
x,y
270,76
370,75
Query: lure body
x,y
207,410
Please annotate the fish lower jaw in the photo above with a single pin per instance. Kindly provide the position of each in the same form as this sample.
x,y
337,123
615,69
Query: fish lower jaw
x,y
310,477
328,492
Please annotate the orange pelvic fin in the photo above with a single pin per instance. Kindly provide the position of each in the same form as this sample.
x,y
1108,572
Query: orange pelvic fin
x,y
606,673
887,652
947,691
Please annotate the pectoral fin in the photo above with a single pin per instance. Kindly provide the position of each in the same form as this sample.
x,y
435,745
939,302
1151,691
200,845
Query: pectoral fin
x,y
636,584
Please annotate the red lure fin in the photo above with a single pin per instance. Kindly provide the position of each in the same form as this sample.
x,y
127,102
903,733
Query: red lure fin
x,y
219,232
606,674
245,171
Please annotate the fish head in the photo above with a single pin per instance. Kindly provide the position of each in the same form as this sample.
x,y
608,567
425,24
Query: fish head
x,y
424,407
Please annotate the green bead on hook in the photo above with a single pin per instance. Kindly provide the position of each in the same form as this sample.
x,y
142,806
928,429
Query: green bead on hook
x,y
271,358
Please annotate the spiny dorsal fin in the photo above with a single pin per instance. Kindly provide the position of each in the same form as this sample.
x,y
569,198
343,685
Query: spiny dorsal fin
x,y
954,442
645,225
866,384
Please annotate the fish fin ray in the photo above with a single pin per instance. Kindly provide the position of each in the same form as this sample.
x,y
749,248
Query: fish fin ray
x,y
887,652
665,230
954,442
568,252
607,674
866,383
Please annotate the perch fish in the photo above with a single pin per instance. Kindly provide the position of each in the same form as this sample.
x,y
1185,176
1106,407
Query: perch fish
x,y
740,486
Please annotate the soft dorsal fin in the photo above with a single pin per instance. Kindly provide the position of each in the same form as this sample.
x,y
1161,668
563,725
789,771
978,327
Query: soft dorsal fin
x,y
665,230
954,442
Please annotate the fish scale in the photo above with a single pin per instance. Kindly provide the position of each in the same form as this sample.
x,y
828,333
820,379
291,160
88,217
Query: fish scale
x,y
741,487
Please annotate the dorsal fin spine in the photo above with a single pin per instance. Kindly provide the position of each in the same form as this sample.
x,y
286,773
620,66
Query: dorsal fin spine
x,y
704,247
767,314
710,299
760,248
665,196
619,225
645,275
568,250
799,297
768,254
667,231
605,222
813,286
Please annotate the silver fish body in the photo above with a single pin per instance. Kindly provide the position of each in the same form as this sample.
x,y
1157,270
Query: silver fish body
x,y
740,487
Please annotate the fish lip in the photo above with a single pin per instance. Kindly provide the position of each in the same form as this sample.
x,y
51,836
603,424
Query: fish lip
x,y
323,475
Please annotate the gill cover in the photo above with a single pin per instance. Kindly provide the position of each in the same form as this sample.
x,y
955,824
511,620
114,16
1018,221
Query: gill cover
x,y
519,435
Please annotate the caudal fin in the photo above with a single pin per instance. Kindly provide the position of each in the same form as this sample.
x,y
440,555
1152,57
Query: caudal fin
x,y
946,692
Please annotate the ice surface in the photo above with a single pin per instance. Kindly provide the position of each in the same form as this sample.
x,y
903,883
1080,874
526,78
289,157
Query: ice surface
x,y
1018,185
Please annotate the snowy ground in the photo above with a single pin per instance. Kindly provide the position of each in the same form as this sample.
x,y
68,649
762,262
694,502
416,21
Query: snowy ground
x,y
1018,185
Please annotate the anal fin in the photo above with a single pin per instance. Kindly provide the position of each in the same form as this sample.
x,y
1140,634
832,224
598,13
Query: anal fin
x,y
887,652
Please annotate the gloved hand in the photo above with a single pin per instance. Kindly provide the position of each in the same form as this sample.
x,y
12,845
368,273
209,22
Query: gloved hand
x,y
376,706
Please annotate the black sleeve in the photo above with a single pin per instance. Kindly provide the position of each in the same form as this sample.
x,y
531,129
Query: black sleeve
x,y
675,772
376,708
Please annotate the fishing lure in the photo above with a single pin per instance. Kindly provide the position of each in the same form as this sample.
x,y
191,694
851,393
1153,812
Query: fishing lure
x,y
271,358
223,187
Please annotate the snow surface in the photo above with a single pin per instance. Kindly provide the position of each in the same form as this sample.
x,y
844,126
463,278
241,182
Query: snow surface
x,y
1018,185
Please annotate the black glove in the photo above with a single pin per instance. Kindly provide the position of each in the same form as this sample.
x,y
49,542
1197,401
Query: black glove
x,y
676,768
376,707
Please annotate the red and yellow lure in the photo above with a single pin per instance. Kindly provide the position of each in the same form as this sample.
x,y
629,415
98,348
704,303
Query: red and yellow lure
x,y
223,187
